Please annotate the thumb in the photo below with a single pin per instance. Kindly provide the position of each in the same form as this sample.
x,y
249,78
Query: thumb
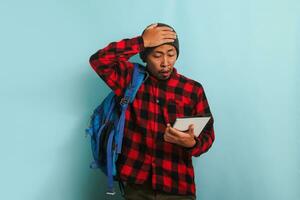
x,y
191,129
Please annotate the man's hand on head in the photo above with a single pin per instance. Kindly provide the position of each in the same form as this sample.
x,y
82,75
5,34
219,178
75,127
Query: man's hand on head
x,y
184,139
156,35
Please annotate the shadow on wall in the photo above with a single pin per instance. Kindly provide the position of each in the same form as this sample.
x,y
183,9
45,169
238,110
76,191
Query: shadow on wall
x,y
71,178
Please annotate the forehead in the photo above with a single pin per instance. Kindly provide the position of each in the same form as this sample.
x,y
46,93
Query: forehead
x,y
164,48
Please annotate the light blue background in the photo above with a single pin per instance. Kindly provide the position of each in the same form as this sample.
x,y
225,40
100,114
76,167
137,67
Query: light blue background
x,y
245,53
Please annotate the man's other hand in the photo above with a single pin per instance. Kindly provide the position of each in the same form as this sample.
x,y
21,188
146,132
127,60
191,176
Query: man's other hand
x,y
185,139
156,35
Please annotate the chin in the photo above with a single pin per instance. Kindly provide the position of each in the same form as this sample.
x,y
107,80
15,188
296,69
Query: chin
x,y
164,78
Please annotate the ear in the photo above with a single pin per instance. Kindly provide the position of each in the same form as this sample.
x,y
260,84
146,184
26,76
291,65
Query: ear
x,y
146,60
147,54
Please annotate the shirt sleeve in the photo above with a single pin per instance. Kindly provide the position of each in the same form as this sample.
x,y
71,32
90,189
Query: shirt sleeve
x,y
112,65
205,140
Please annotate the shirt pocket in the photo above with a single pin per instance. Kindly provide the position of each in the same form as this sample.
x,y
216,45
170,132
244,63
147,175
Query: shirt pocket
x,y
175,108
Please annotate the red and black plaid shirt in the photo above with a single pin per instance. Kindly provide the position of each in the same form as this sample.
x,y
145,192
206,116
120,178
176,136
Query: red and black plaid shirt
x,y
145,155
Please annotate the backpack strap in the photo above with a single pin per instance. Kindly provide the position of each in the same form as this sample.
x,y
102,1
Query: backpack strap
x,y
110,165
137,80
98,135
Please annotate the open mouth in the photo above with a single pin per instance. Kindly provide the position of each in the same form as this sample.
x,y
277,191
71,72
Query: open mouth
x,y
165,73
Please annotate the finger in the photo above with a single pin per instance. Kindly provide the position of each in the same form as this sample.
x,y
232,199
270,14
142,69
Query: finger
x,y
167,128
165,28
169,35
166,136
191,126
170,138
167,41
173,37
151,26
168,32
191,129
174,132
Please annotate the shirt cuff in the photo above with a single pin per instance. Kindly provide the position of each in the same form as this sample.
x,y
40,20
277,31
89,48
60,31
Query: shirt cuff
x,y
141,43
190,149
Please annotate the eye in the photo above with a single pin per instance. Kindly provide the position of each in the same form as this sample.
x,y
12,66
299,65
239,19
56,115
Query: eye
x,y
156,55
171,55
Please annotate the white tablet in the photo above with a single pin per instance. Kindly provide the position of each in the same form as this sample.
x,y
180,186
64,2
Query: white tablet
x,y
183,123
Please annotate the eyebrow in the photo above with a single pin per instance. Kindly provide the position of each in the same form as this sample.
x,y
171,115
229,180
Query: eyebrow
x,y
163,52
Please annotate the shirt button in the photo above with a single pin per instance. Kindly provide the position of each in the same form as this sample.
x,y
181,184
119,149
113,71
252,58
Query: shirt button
x,y
157,101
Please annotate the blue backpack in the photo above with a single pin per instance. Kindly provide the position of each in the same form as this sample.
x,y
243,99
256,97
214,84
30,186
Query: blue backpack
x,y
107,126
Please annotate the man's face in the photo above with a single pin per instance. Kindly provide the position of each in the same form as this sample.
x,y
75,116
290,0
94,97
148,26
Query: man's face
x,y
160,61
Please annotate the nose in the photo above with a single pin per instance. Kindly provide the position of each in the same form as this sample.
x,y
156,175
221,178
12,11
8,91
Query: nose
x,y
165,61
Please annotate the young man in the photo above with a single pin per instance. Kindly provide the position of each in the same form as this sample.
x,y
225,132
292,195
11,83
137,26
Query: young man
x,y
156,159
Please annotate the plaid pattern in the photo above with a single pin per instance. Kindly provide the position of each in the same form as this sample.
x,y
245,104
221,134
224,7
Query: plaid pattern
x,y
145,155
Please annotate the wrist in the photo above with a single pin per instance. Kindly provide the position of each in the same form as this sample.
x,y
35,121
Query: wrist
x,y
192,144
145,42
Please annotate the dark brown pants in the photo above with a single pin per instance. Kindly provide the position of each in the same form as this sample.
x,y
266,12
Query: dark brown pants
x,y
145,192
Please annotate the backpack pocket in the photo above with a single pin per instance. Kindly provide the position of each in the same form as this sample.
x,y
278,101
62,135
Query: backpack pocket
x,y
106,131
